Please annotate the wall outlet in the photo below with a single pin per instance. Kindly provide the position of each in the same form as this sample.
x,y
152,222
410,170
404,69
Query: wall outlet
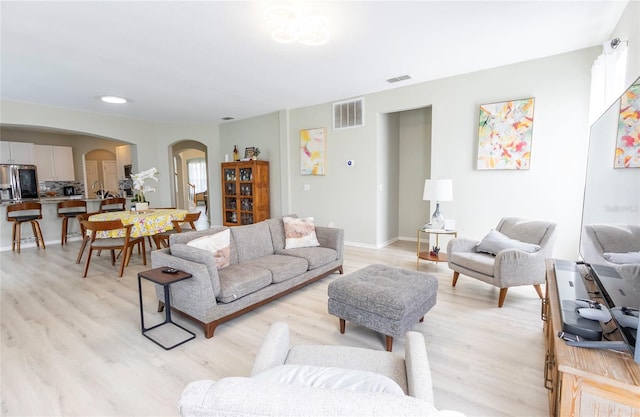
x,y
351,163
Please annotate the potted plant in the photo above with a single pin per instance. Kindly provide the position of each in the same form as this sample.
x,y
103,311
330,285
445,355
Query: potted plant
x,y
256,152
139,197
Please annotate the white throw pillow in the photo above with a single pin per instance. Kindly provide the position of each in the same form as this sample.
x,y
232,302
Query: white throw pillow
x,y
218,244
299,233
330,378
622,258
495,241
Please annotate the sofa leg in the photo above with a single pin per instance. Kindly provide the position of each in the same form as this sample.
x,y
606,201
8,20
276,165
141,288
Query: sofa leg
x,y
503,295
422,319
340,270
342,325
456,274
389,343
538,290
160,306
209,328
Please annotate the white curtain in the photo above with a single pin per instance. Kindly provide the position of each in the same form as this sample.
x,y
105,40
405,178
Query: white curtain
x,y
198,174
607,78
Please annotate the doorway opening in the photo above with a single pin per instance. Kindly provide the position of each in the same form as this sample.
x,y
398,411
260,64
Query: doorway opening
x,y
191,176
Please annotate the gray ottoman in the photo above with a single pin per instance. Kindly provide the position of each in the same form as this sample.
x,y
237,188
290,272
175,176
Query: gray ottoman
x,y
387,299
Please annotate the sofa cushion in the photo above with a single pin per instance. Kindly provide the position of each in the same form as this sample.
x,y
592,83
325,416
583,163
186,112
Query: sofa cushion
x,y
315,256
330,378
201,256
252,241
495,241
299,233
218,244
622,258
282,267
238,280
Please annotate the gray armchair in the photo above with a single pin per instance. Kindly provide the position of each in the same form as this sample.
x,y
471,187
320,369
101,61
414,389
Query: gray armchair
x,y
508,267
598,239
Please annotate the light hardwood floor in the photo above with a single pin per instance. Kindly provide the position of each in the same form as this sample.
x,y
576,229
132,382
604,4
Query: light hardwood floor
x,y
72,346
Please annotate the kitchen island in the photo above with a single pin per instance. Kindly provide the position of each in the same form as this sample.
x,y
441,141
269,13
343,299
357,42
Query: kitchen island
x,y
50,224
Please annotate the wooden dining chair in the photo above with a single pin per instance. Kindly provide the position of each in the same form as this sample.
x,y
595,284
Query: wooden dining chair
x,y
179,226
124,244
28,212
83,232
113,204
70,210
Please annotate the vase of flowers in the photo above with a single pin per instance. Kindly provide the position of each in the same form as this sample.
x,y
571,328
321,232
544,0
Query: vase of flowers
x,y
256,152
142,189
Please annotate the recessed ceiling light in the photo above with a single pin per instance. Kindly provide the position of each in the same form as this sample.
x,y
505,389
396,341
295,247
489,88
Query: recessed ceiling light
x,y
113,99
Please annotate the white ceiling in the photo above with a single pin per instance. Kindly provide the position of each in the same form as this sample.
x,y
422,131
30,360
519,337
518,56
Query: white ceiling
x,y
196,62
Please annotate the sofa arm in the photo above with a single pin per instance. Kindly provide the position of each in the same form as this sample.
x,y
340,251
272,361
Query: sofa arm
x,y
246,397
417,365
274,348
333,238
194,296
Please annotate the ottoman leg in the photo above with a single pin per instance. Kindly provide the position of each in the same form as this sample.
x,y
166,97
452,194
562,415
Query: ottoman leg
x,y
389,343
422,319
342,324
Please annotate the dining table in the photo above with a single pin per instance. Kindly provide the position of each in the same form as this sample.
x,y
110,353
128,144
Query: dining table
x,y
145,223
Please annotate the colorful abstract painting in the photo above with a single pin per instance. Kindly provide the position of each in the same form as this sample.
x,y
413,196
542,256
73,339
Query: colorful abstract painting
x,y
505,130
313,151
628,139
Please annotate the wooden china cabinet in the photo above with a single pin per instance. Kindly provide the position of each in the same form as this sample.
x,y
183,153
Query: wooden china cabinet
x,y
245,192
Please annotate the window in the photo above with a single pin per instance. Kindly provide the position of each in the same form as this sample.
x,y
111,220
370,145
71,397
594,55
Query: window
x,y
607,78
197,174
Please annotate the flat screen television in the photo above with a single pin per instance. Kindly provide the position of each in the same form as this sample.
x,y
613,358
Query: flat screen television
x,y
612,197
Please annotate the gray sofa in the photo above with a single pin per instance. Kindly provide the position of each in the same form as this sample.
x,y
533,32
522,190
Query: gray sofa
x,y
260,270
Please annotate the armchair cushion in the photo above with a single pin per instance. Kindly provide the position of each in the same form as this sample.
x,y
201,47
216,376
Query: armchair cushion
x,y
622,258
330,378
495,241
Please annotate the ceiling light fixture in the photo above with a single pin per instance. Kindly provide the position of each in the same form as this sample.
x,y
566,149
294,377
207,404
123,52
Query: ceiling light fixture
x,y
294,26
113,99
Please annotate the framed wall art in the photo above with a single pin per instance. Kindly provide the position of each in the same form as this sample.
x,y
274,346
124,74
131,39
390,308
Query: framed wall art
x,y
313,151
628,137
504,134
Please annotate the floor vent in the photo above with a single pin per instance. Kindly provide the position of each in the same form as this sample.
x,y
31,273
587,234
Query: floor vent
x,y
348,114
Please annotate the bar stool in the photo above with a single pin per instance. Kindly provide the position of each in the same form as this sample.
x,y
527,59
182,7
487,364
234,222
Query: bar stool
x,y
22,213
113,204
70,210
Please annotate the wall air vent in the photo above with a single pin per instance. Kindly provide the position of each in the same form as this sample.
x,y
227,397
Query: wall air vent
x,y
348,114
399,78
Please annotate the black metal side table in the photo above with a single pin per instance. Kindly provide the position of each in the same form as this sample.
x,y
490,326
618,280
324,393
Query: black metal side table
x,y
165,279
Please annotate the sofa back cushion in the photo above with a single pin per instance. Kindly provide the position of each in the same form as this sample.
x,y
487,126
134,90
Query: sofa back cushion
x,y
252,241
276,226
525,230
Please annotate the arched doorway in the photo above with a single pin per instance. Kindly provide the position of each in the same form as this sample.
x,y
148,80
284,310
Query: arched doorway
x,y
191,175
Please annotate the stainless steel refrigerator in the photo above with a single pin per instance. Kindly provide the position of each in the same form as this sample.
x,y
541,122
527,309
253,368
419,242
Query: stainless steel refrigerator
x,y
18,182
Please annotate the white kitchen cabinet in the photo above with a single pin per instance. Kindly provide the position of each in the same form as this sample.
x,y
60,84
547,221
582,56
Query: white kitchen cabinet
x,y
55,163
16,153
123,157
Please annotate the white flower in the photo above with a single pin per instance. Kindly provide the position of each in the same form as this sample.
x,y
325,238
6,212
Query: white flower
x,y
140,178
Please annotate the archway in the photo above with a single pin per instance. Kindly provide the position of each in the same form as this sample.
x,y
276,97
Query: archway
x,y
183,154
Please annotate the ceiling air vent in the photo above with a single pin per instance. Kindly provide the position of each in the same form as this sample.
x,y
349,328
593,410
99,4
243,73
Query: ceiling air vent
x,y
348,114
399,78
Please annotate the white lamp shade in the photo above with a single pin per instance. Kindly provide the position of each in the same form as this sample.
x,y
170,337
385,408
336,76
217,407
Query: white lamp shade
x,y
438,190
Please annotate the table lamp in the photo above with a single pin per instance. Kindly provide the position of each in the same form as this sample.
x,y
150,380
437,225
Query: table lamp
x,y
437,190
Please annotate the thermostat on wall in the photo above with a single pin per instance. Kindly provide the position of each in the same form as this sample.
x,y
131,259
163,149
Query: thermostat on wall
x,y
351,162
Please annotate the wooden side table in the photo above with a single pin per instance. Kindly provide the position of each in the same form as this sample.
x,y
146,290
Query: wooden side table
x,y
426,255
165,279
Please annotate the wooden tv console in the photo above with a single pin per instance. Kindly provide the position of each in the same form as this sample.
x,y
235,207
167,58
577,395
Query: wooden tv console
x,y
585,382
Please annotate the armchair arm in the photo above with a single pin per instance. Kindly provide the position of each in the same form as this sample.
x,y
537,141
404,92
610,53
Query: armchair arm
x,y
417,364
274,348
461,244
514,267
